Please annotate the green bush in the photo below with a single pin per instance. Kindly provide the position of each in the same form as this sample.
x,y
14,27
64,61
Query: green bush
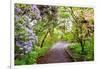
x,y
88,51
68,37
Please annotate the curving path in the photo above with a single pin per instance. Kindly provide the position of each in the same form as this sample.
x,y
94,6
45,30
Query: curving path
x,y
56,54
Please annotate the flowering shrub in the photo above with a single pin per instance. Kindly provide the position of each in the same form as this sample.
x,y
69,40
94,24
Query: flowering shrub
x,y
38,27
25,38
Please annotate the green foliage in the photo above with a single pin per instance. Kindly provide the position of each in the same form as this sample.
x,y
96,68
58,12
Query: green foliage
x,y
31,58
62,12
19,62
88,50
55,20
68,37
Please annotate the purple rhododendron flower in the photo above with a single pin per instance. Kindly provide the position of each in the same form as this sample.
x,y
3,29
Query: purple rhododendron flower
x,y
20,43
26,45
29,43
17,18
36,11
38,16
34,7
29,30
18,10
28,27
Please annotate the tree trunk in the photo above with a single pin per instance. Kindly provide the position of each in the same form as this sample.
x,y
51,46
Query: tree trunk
x,y
82,51
44,38
82,47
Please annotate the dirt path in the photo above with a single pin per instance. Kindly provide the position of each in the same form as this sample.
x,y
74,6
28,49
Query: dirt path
x,y
56,54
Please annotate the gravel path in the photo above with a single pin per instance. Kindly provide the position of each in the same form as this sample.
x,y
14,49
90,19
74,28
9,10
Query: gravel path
x,y
56,54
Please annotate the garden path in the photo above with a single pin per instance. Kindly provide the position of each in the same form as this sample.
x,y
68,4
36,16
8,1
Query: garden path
x,y
56,54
